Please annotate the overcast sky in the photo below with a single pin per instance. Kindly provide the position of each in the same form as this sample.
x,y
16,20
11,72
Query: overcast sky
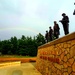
x,y
30,17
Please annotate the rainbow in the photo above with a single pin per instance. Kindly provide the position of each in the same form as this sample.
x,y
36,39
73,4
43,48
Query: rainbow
x,y
20,29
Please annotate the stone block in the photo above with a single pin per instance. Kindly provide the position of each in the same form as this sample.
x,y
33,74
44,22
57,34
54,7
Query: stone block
x,y
65,73
71,61
69,70
72,51
58,66
73,73
72,42
62,56
65,65
65,45
73,67
68,56
65,59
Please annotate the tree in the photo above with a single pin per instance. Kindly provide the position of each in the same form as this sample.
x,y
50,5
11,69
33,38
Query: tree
x,y
40,39
5,46
14,44
23,46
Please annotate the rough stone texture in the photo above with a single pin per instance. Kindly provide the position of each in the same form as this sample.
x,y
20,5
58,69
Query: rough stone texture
x,y
57,57
69,70
73,67
65,73
65,59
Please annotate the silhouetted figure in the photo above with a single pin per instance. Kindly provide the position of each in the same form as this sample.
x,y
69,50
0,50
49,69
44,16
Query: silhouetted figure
x,y
56,30
65,23
74,12
50,33
46,36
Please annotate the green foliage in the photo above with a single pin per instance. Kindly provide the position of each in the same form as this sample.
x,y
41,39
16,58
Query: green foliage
x,y
26,46
40,39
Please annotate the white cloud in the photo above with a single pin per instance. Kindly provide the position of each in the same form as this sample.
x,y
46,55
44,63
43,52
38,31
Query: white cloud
x,y
34,14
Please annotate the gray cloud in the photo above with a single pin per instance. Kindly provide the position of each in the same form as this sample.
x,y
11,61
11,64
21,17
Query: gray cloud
x,y
32,14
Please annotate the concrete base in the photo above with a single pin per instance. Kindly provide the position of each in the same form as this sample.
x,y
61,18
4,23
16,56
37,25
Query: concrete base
x,y
23,69
4,64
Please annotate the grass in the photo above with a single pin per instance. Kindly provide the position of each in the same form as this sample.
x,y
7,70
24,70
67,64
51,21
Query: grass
x,y
15,56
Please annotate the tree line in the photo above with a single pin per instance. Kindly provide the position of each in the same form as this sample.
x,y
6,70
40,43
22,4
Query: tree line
x,y
23,46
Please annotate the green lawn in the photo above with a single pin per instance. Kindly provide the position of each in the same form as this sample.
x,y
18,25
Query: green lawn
x,y
16,56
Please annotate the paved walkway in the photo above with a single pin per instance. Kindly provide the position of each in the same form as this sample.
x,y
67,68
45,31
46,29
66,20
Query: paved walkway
x,y
23,69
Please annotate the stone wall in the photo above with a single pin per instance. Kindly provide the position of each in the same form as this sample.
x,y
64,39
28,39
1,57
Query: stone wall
x,y
57,57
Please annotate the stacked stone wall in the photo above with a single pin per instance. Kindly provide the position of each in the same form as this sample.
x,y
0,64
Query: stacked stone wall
x,y
57,57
